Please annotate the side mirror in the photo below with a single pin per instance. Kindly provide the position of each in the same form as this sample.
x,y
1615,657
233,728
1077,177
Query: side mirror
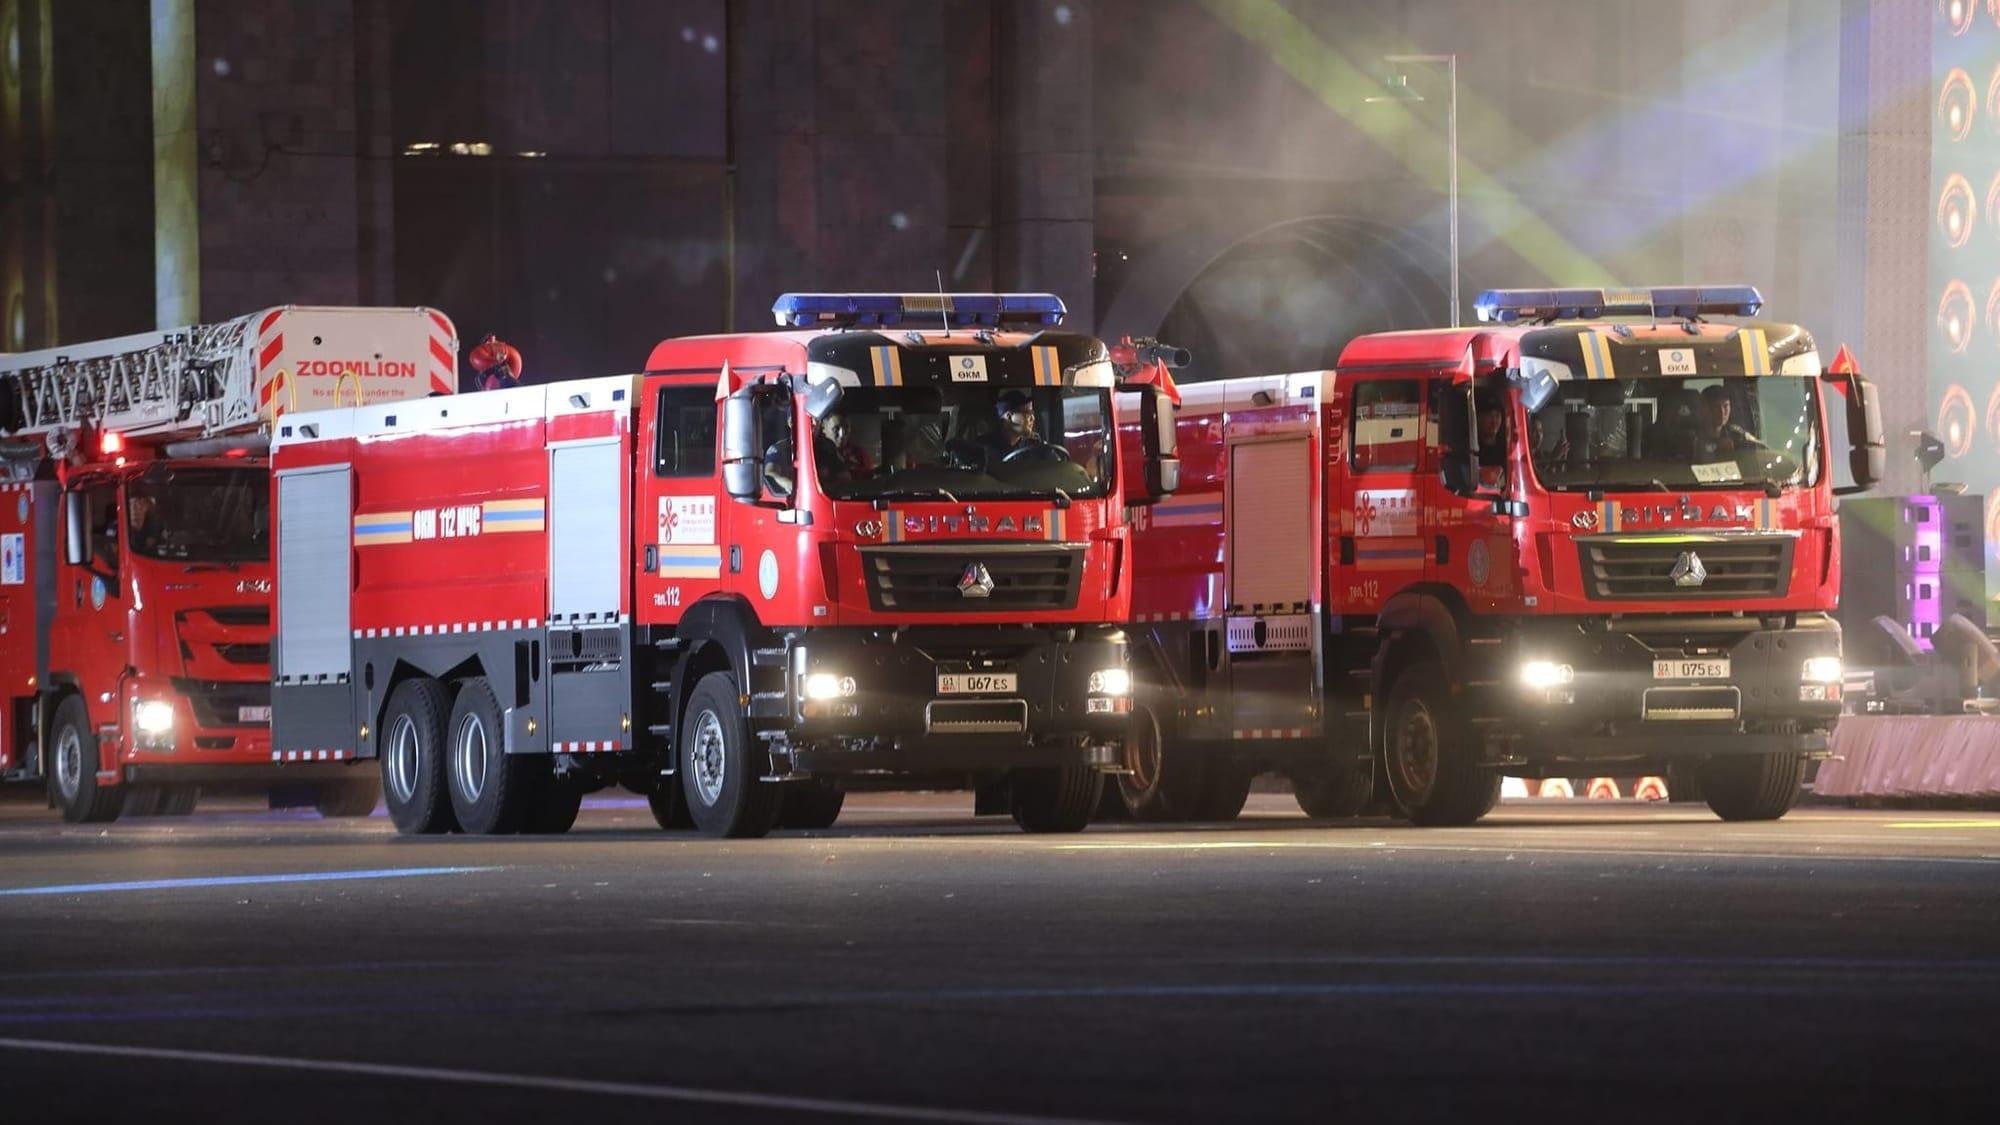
x,y
1159,443
1867,453
76,530
1457,456
742,448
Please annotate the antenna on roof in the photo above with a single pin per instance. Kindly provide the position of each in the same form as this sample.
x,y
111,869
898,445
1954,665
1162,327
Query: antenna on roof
x,y
943,307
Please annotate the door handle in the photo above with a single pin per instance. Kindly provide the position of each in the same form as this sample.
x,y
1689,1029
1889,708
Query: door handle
x,y
652,558
1443,550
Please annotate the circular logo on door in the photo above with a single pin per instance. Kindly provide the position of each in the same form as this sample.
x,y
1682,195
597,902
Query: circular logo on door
x,y
767,575
1478,563
97,592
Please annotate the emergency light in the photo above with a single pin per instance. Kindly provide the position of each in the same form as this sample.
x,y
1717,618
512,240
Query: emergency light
x,y
1505,306
111,444
881,310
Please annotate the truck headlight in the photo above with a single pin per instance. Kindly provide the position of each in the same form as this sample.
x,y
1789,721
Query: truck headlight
x,y
153,717
823,686
1822,670
1111,681
1546,674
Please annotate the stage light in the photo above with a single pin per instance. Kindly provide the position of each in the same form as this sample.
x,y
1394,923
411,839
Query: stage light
x,y
1955,421
1958,104
1957,15
1955,315
1957,210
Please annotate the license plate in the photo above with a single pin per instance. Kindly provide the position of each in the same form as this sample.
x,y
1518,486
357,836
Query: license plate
x,y
978,683
253,714
1690,669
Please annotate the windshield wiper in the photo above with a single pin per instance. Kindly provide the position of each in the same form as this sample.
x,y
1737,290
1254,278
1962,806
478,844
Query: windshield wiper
x,y
882,498
1062,497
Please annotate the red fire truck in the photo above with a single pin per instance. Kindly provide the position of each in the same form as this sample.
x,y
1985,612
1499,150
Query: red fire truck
x,y
135,578
1592,535
886,547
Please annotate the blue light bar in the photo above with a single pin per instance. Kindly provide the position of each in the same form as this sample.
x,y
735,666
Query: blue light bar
x,y
1661,303
881,310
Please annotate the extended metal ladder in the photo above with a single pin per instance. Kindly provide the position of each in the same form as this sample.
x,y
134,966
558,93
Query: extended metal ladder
x,y
198,380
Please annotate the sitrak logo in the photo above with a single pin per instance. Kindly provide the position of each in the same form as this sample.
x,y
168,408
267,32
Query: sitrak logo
x,y
1688,571
976,582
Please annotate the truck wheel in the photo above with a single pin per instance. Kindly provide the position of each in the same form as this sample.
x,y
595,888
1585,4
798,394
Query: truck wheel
x,y
1428,754
670,806
811,804
347,798
1753,786
721,771
1334,792
177,800
1226,790
554,809
1162,783
413,765
1056,800
491,790
73,780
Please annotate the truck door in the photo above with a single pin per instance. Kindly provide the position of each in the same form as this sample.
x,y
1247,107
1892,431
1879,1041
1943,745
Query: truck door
x,y
681,560
1381,544
1472,548
91,607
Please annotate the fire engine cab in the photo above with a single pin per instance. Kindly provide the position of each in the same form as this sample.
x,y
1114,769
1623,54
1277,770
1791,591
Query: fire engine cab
x,y
886,546
135,577
1592,534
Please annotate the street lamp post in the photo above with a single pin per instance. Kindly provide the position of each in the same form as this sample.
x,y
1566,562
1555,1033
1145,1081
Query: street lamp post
x,y
1400,84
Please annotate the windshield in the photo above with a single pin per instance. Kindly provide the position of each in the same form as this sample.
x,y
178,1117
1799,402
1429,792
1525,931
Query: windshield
x,y
200,515
1677,434
969,442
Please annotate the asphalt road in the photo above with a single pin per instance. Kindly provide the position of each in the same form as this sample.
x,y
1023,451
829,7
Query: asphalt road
x,y
1564,960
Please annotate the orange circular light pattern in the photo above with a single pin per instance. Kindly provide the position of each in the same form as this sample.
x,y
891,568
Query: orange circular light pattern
x,y
1993,415
1993,319
1957,104
1993,516
1955,424
1954,316
1957,211
1957,14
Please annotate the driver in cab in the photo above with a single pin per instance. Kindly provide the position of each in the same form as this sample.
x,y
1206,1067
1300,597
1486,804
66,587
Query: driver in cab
x,y
1017,439
839,459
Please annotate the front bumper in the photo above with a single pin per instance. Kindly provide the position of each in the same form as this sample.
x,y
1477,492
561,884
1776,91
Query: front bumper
x,y
898,712
210,726
1616,708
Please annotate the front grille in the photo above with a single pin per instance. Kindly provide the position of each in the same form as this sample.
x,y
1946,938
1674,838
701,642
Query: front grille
x,y
936,579
1691,704
219,703
1642,569
245,653
976,716
240,614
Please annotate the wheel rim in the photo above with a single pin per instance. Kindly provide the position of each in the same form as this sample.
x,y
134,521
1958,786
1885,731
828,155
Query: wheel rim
x,y
69,762
1142,755
1413,755
469,757
706,760
405,758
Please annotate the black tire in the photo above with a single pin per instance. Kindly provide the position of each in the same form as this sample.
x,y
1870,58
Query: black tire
x,y
1684,781
177,800
1337,791
722,769
347,798
142,800
1429,756
555,808
811,805
413,764
73,783
1753,786
1056,800
1226,789
492,791
670,806
1163,779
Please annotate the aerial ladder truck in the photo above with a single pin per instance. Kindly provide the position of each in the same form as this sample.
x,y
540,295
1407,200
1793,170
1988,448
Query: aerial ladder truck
x,y
135,571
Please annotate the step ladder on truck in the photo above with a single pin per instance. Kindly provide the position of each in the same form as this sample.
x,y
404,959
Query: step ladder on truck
x,y
135,570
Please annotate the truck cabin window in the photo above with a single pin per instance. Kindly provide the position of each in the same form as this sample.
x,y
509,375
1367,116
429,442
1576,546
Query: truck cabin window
x,y
200,514
1678,434
1387,426
686,432
971,442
